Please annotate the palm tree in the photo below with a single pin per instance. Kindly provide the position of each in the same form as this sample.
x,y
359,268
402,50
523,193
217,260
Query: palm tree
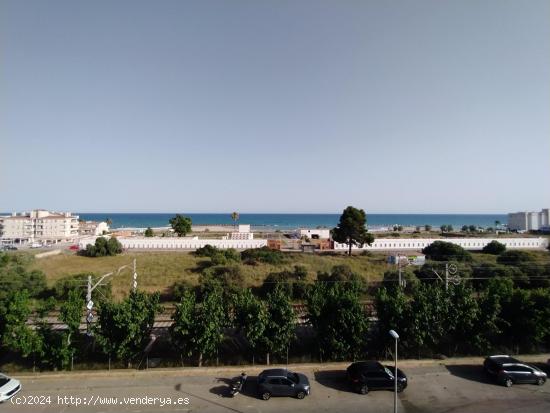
x,y
497,224
235,218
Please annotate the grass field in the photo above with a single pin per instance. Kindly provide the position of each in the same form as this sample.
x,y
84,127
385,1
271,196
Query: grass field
x,y
158,271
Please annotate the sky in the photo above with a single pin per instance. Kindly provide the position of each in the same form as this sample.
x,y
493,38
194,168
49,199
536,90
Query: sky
x,y
275,106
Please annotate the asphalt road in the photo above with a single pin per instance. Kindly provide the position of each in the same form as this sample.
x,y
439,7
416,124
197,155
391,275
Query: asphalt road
x,y
434,388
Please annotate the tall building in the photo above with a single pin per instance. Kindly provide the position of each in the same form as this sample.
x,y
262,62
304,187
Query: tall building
x,y
39,225
529,221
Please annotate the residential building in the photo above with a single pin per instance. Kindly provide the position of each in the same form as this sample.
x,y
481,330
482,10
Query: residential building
x,y
92,228
318,233
39,225
529,221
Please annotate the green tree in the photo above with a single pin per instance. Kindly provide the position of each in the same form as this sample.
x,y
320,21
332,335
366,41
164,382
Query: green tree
x,y
250,318
103,247
71,314
181,331
55,351
149,232
464,228
472,228
352,230
181,225
280,328
444,251
123,329
16,334
494,247
235,218
207,327
427,228
338,318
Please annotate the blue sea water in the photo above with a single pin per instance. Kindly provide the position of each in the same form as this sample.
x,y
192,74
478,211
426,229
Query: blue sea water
x,y
290,221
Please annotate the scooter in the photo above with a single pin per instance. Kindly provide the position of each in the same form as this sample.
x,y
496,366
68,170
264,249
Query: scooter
x,y
237,386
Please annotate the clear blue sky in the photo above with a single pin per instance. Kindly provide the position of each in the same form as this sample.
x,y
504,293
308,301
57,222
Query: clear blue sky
x,y
275,106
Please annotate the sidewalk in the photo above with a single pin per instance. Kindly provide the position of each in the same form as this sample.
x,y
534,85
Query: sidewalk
x,y
205,371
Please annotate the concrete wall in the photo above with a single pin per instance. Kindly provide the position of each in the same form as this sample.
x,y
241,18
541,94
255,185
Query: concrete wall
x,y
390,244
180,243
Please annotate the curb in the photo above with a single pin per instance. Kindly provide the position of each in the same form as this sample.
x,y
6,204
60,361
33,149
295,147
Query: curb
x,y
205,371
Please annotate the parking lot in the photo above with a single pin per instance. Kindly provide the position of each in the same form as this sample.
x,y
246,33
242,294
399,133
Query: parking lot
x,y
432,388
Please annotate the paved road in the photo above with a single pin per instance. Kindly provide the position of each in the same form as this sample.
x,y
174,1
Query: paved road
x,y
434,388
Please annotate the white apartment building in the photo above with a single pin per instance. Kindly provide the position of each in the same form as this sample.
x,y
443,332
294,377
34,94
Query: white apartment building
x,y
527,221
39,225
243,233
92,228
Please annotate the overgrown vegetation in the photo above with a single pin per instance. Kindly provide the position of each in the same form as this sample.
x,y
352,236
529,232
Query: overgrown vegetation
x,y
103,247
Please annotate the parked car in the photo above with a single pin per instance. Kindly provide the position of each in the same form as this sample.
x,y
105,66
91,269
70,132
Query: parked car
x,y
8,387
507,370
364,376
282,382
10,248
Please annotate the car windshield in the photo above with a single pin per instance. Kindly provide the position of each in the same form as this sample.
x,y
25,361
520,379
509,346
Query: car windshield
x,y
3,380
293,377
388,371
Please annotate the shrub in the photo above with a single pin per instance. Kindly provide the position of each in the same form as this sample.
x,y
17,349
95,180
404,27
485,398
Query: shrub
x,y
264,254
494,247
78,282
103,248
515,257
445,251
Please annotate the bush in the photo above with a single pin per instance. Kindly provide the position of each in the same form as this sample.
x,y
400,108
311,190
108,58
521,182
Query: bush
x,y
343,274
206,251
103,248
494,247
292,282
264,254
78,282
515,258
445,251
14,276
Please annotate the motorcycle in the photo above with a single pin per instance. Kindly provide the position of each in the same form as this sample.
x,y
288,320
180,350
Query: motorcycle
x,y
238,385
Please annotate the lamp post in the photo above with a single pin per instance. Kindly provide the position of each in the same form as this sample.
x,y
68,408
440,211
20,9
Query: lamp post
x,y
396,337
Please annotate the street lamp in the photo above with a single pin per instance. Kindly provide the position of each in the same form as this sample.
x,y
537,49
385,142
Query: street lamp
x,y
396,337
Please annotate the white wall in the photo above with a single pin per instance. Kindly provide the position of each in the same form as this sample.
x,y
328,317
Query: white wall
x,y
180,243
321,233
388,244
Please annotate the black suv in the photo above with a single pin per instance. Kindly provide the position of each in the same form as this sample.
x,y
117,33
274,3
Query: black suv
x,y
371,375
507,370
282,382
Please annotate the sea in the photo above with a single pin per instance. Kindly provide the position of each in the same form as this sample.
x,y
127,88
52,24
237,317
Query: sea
x,y
293,221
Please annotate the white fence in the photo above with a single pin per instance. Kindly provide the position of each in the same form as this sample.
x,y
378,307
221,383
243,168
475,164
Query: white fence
x,y
181,243
388,244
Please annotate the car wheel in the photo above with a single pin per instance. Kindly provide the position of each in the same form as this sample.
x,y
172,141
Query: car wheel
x,y
541,381
508,382
399,388
301,395
266,395
364,389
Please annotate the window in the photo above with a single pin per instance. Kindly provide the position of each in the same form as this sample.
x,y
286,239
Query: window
x,y
274,381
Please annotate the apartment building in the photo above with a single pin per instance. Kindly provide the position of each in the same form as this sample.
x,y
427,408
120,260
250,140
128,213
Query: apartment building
x,y
39,225
529,221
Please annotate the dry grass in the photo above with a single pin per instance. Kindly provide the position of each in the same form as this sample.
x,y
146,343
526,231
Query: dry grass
x,y
158,271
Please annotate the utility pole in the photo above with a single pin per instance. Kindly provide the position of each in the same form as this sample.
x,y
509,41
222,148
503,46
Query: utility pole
x,y
446,276
134,284
399,269
90,288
